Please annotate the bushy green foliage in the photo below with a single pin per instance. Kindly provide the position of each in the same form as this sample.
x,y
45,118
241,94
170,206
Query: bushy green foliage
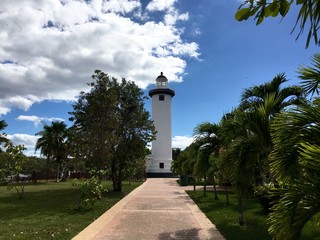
x,y
296,162
90,190
12,160
111,126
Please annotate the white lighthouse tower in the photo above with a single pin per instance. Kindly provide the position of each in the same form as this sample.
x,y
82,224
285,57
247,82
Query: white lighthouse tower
x,y
159,163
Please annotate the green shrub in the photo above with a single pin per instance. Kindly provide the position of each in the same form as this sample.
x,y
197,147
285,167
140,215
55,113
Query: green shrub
x,y
90,190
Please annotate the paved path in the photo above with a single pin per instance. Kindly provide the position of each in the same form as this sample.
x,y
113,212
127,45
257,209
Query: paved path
x,y
157,210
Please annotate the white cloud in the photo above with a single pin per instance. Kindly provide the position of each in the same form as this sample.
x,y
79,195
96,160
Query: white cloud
x,y
121,6
160,5
49,49
29,141
37,120
181,141
173,16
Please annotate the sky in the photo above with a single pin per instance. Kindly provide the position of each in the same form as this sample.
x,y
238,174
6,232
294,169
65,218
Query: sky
x,y
49,49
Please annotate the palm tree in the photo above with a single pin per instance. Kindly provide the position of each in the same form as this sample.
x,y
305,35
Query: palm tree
x,y
53,143
3,138
247,144
241,155
189,164
209,144
296,163
212,173
310,75
295,160
253,97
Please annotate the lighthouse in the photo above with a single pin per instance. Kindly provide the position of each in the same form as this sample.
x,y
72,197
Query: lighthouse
x,y
159,162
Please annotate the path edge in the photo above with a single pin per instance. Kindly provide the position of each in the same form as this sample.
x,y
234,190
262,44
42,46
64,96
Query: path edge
x,y
96,226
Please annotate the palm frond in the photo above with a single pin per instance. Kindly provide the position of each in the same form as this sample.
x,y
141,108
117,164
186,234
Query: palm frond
x,y
283,159
310,75
297,204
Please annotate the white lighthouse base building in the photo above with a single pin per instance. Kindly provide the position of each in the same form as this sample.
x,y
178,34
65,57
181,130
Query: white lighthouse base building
x,y
162,166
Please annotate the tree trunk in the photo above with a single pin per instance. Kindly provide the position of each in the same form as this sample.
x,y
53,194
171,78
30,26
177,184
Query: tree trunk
x,y
226,192
215,190
119,185
205,186
117,181
194,183
114,182
47,172
58,172
240,209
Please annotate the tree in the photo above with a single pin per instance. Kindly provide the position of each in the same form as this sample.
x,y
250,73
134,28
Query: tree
x,y
135,169
178,165
295,163
253,97
209,144
247,139
212,174
267,100
11,163
3,138
53,144
175,153
111,125
308,16
185,164
241,155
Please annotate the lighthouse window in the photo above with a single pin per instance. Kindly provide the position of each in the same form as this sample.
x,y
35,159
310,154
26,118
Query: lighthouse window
x,y
161,165
161,97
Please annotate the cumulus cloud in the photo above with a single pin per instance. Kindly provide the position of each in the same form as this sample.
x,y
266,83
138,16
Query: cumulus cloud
x,y
37,120
23,139
29,141
122,6
49,49
160,5
181,141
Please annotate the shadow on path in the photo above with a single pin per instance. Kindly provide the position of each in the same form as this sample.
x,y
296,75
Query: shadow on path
x,y
187,234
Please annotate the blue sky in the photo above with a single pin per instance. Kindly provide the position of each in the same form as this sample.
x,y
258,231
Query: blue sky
x,y
49,50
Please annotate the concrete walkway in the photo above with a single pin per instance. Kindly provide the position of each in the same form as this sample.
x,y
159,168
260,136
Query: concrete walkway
x,y
159,209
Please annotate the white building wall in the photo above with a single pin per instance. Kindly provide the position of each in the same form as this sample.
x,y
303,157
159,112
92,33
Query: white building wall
x,y
161,115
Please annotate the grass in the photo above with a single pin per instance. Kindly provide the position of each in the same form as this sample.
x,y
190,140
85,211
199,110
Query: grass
x,y
48,210
226,217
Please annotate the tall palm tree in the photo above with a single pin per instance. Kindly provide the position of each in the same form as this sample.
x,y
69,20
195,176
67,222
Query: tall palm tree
x,y
243,145
295,160
247,144
53,143
206,136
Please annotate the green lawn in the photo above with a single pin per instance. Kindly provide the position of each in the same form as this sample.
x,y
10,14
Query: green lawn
x,y
226,218
48,210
